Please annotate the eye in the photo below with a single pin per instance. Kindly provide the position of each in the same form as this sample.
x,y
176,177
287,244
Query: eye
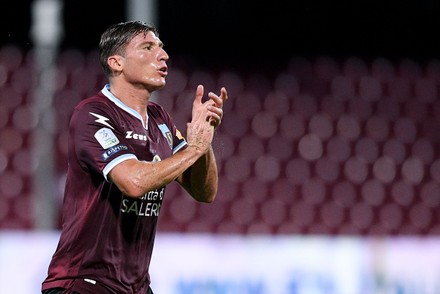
x,y
148,46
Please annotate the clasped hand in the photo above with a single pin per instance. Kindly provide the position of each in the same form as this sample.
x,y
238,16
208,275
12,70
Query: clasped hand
x,y
206,117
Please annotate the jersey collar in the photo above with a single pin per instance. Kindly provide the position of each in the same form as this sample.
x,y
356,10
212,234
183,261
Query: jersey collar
x,y
120,104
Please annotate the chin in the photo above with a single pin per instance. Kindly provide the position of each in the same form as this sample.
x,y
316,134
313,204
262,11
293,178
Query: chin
x,y
156,84
161,85
155,87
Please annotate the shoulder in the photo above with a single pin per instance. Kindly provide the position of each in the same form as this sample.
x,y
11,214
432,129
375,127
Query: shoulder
x,y
96,109
98,100
98,104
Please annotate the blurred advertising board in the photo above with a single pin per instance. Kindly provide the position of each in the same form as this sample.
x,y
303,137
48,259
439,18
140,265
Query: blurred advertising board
x,y
267,264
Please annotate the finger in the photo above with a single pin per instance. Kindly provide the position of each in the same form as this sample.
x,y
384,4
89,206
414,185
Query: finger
x,y
224,94
199,94
214,117
197,103
219,100
216,99
215,110
214,122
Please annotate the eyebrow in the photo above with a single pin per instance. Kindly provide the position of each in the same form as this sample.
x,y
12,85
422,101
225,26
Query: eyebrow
x,y
160,43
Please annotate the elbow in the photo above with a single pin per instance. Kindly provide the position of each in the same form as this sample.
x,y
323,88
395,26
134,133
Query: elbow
x,y
205,199
208,199
206,196
132,192
134,179
132,189
209,192
211,197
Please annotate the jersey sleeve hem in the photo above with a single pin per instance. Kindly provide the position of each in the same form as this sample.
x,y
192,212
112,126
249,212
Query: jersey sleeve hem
x,y
179,147
115,162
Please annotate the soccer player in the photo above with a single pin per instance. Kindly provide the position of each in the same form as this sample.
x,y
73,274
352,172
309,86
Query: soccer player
x,y
123,151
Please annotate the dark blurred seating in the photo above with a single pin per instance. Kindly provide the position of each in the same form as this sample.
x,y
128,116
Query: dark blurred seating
x,y
326,146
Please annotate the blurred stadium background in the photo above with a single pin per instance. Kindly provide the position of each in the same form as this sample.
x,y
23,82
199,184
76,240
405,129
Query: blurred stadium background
x,y
328,153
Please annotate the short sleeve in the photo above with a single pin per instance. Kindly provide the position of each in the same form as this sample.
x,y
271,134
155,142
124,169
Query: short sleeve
x,y
179,141
96,138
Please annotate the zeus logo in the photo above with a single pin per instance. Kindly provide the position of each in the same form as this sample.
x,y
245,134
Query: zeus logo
x,y
130,135
102,120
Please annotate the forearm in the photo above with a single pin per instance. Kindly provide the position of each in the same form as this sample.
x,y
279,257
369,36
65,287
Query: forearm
x,y
201,179
136,178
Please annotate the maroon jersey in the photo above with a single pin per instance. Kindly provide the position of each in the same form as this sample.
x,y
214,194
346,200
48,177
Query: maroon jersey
x,y
107,238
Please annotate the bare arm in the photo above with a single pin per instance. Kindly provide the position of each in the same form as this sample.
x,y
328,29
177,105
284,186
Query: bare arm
x,y
135,178
201,179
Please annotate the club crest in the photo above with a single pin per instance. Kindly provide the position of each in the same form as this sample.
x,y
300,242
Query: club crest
x,y
167,134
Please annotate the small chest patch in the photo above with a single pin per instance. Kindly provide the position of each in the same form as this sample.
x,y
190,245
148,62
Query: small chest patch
x,y
167,134
106,138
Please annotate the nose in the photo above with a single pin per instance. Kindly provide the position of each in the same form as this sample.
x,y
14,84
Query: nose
x,y
163,55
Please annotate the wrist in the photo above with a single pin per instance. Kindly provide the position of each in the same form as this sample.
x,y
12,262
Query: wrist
x,y
199,150
194,148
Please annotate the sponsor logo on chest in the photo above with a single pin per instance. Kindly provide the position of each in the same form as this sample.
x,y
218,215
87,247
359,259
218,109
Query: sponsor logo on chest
x,y
132,135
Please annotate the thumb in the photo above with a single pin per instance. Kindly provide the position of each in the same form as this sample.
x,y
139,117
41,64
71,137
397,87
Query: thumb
x,y
199,94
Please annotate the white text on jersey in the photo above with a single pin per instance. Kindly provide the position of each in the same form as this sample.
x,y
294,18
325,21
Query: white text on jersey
x,y
130,135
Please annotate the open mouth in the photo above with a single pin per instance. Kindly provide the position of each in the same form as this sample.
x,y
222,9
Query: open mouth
x,y
163,70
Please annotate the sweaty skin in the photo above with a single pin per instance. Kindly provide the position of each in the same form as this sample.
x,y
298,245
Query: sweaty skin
x,y
138,73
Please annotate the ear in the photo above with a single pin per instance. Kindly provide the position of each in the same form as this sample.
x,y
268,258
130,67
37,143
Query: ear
x,y
115,62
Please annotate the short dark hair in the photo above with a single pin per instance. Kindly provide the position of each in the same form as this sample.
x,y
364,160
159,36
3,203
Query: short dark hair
x,y
115,39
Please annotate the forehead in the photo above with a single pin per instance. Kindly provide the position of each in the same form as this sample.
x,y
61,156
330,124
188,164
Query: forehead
x,y
141,38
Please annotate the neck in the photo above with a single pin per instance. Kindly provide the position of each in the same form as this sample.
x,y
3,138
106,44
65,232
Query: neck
x,y
132,96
